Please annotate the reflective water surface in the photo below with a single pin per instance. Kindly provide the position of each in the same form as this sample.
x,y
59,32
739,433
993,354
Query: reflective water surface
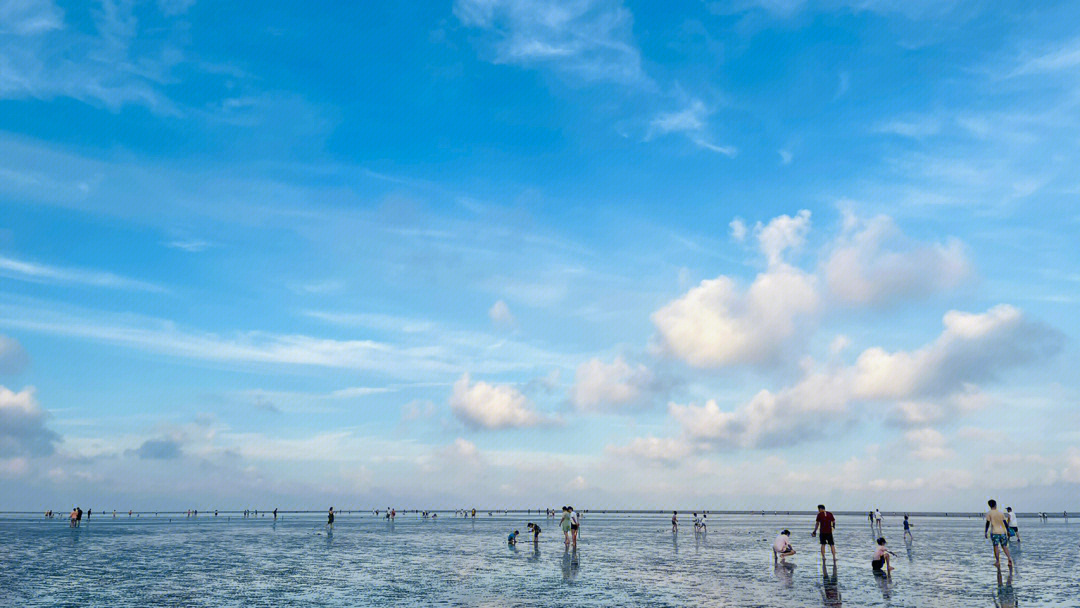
x,y
620,560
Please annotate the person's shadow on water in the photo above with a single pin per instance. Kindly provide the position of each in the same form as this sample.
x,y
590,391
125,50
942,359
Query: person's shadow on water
x,y
910,553
784,572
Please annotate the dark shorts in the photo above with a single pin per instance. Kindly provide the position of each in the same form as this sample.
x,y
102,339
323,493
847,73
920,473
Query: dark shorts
x,y
1001,540
878,564
826,539
573,527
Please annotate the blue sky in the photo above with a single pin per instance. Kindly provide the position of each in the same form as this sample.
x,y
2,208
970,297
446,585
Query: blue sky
x,y
754,254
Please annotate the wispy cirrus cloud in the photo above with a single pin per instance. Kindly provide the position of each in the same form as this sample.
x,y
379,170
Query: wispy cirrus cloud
x,y
691,121
589,40
42,273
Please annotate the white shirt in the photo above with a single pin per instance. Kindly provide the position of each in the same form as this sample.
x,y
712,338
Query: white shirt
x,y
1012,520
575,518
781,543
877,514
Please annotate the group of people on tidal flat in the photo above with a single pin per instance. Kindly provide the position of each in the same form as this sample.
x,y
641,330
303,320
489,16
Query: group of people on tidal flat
x,y
999,527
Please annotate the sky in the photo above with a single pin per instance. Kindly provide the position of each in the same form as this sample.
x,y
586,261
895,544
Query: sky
x,y
526,253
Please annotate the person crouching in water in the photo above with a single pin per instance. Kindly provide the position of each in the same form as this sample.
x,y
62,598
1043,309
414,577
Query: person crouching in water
x,y
782,546
511,539
881,557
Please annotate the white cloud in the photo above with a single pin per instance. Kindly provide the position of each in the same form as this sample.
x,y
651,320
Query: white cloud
x,y
190,245
666,450
939,409
42,59
782,233
717,324
707,422
22,425
13,358
41,273
928,444
493,406
973,347
1063,58
577,483
13,467
586,40
738,230
873,262
914,129
926,385
29,17
500,314
416,410
691,121
839,344
410,356
599,385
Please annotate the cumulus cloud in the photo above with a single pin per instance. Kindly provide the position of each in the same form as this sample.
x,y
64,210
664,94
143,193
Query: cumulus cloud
x,y
974,347
782,233
599,385
157,449
500,314
588,40
874,262
493,406
718,324
13,358
738,230
928,444
22,425
928,384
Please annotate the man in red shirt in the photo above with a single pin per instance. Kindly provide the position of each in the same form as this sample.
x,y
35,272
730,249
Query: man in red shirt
x,y
827,523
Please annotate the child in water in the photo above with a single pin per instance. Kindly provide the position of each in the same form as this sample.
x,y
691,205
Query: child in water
x,y
881,557
512,538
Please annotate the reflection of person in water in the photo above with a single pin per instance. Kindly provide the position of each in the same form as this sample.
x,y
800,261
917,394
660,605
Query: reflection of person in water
x,y
830,588
783,572
1006,596
569,564
884,582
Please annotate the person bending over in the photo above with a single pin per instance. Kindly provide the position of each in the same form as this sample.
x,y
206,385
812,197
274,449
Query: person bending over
x,y
782,546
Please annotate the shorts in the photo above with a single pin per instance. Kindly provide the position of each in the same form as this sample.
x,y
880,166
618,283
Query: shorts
x,y
1012,531
826,539
878,564
1001,540
574,527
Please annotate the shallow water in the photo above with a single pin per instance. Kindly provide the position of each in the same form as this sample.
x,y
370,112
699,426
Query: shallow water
x,y
620,560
